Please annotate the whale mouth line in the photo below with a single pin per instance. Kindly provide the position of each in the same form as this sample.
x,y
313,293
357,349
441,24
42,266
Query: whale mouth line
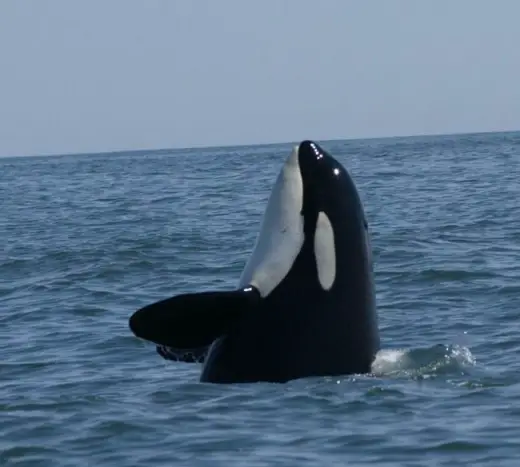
x,y
195,355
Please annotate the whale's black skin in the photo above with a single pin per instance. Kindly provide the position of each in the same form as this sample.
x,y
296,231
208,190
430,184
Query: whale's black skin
x,y
305,305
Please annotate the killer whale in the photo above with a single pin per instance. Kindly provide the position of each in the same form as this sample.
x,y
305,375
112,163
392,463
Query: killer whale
x,y
305,302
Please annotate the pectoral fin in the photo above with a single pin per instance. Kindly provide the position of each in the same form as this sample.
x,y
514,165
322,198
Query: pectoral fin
x,y
192,321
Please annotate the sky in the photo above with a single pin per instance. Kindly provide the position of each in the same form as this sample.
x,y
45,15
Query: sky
x,y
106,75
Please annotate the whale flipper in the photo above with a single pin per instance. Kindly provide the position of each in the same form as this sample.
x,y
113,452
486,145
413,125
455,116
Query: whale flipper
x,y
191,322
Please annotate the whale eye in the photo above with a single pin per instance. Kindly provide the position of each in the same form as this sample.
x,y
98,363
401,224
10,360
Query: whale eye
x,y
324,251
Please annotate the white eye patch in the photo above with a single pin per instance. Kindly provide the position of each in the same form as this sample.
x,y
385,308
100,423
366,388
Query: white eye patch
x,y
325,251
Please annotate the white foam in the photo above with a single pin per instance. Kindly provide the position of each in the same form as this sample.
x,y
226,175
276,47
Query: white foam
x,y
390,360
422,360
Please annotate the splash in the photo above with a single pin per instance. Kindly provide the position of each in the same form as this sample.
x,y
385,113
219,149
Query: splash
x,y
423,362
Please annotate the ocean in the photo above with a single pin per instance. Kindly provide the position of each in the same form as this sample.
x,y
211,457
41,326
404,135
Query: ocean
x,y
88,239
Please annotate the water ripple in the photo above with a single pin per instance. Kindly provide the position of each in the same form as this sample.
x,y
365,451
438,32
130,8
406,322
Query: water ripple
x,y
88,239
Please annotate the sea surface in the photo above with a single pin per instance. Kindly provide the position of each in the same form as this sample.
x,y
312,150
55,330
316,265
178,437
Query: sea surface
x,y
87,239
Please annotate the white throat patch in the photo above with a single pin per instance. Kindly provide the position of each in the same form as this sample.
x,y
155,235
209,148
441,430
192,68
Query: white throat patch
x,y
281,232
324,251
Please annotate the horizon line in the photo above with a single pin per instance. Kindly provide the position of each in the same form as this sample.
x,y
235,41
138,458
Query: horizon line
x,y
276,143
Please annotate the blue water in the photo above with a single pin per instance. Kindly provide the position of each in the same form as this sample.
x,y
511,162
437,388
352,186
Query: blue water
x,y
88,239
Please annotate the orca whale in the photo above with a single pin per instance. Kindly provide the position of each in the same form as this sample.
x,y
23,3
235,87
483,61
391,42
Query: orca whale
x,y
305,303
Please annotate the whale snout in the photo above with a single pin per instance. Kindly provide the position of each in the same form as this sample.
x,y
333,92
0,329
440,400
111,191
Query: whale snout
x,y
309,151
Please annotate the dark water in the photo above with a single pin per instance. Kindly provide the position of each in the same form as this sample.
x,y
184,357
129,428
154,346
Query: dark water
x,y
88,239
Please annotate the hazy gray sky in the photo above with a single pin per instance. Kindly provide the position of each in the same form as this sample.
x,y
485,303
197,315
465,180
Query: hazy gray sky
x,y
99,75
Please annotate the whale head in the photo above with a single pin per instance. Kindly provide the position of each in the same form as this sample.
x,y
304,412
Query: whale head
x,y
313,200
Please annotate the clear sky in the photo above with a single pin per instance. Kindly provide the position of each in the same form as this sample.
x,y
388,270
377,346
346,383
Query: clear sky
x,y
102,75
